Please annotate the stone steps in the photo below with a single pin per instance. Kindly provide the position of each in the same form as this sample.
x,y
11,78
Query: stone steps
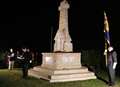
x,y
62,75
38,74
72,75
62,71
72,79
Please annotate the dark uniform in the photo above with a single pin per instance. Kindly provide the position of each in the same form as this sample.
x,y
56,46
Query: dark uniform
x,y
25,63
112,58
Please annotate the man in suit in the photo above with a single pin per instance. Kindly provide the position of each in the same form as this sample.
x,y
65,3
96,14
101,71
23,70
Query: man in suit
x,y
111,65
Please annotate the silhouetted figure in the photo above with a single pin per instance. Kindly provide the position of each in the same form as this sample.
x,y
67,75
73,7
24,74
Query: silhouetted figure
x,y
26,60
111,65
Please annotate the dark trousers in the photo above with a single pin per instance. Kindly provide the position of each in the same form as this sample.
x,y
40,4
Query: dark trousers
x,y
111,74
25,70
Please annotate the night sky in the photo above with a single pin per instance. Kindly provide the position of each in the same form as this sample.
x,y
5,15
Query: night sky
x,y
33,23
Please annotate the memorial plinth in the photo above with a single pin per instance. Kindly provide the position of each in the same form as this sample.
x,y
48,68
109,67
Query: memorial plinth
x,y
61,60
61,67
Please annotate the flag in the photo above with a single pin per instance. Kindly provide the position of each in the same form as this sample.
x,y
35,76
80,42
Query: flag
x,y
106,29
107,36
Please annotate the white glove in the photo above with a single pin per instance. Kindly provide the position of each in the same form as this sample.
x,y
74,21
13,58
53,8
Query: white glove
x,y
105,52
9,56
12,55
114,65
30,61
20,57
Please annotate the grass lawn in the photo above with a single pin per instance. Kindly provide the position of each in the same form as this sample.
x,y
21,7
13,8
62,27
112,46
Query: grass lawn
x,y
13,78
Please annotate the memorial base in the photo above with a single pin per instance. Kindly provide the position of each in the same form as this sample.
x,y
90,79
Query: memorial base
x,y
61,67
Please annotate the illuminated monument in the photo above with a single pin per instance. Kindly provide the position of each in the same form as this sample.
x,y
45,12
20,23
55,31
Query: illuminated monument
x,y
63,64
62,38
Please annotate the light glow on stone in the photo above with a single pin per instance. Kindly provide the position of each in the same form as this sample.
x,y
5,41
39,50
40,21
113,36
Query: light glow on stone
x,y
49,60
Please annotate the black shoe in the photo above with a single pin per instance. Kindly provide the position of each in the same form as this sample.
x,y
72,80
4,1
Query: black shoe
x,y
111,84
25,77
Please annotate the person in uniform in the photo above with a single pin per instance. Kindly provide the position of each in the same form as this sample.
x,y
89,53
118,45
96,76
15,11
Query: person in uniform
x,y
111,65
26,60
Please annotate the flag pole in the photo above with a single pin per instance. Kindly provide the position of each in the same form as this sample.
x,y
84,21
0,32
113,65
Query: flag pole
x,y
107,36
106,52
51,40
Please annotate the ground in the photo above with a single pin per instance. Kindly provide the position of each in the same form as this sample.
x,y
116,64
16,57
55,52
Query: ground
x,y
14,78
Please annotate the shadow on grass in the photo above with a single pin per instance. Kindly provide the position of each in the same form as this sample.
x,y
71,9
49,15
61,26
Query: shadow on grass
x,y
102,79
101,75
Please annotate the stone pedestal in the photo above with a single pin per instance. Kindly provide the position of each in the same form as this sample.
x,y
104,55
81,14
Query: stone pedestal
x,y
61,60
61,67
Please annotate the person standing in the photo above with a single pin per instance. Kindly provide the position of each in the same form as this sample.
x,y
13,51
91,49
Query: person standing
x,y
111,65
27,59
11,59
